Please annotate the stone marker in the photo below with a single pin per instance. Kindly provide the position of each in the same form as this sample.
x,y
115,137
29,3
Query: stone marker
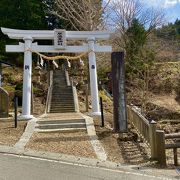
x,y
4,103
119,101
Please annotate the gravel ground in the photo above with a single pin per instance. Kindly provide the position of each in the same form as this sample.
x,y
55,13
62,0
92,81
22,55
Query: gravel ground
x,y
8,134
76,143
127,148
120,148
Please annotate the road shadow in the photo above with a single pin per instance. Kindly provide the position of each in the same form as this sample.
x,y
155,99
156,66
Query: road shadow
x,y
133,152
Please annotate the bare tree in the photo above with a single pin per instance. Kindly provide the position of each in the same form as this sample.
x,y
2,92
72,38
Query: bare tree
x,y
81,14
125,11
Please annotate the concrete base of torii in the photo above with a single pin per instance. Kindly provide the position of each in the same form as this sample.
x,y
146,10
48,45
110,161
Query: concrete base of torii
x,y
95,114
25,117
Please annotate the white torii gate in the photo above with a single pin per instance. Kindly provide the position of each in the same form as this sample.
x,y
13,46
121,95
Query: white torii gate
x,y
29,35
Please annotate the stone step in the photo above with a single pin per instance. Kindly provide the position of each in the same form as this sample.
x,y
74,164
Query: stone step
x,y
59,74
60,86
65,99
62,107
62,99
60,130
62,93
62,111
58,78
63,88
62,102
61,126
60,82
62,96
60,121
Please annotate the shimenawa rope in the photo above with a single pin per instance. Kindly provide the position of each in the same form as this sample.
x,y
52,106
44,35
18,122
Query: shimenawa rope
x,y
52,58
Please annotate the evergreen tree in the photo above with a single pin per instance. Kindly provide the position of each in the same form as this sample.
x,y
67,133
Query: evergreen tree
x,y
19,14
53,21
171,31
22,14
136,39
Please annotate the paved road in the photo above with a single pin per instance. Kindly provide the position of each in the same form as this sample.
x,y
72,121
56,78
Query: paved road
x,y
25,168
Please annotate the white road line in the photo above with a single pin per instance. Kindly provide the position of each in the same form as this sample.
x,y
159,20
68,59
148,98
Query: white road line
x,y
88,166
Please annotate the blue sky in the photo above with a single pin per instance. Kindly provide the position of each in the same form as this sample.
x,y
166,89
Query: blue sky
x,y
171,8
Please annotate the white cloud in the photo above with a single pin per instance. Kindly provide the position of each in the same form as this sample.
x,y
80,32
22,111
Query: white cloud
x,y
156,3
170,3
161,3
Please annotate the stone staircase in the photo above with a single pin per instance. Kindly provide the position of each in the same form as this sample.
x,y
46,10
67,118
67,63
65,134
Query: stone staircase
x,y
61,122
62,95
61,116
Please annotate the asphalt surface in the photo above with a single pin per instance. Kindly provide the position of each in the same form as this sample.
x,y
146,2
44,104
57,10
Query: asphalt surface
x,y
26,168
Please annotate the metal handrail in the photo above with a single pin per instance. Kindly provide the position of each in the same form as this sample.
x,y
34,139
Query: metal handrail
x,y
75,96
67,78
49,94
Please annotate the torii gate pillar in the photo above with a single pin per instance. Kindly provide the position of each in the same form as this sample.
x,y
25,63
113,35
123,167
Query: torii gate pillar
x,y
26,103
93,78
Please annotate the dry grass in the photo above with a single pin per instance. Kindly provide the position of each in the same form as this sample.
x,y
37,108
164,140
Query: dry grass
x,y
10,135
120,148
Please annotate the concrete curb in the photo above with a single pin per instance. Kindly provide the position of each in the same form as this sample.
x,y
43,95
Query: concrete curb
x,y
19,146
98,148
59,157
19,150
89,162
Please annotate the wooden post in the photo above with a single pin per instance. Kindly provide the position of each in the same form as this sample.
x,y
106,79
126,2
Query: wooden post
x,y
175,156
87,93
118,81
0,74
160,137
32,99
152,139
102,113
15,110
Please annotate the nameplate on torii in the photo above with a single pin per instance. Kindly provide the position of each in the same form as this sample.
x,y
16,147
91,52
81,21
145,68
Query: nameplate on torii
x,y
59,39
